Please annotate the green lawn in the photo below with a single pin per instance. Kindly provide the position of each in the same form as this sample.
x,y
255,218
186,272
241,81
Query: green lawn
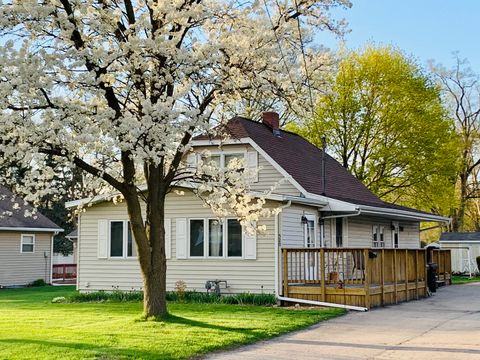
x,y
461,279
32,327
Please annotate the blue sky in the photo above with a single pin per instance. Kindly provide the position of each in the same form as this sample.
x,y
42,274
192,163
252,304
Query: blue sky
x,y
426,29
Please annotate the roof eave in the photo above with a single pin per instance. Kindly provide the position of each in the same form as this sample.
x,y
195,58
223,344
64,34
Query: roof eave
x,y
31,229
374,210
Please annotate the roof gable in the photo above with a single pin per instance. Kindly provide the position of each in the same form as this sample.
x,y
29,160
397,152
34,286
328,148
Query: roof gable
x,y
17,219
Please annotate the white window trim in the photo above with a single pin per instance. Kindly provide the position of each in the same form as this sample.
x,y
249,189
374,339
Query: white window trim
x,y
124,241
206,240
227,152
396,229
378,230
226,240
21,243
310,217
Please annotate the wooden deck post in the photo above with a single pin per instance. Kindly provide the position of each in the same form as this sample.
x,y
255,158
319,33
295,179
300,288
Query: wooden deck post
x,y
406,275
395,296
416,274
382,263
367,279
285,272
322,274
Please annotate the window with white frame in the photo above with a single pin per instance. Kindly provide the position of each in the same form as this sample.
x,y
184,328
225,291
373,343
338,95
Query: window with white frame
x,y
122,243
27,243
211,237
222,160
378,236
395,234
309,230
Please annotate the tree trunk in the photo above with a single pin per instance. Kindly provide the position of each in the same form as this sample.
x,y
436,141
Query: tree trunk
x,y
150,239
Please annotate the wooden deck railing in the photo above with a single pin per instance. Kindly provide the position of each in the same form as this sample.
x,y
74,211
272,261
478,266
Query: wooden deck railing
x,y
64,272
381,276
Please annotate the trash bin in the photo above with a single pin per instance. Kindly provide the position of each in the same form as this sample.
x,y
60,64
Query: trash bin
x,y
432,276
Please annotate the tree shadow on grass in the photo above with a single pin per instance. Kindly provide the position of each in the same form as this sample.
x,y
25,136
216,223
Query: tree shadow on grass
x,y
173,319
98,351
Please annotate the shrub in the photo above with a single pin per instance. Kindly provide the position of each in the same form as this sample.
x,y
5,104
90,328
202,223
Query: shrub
x,y
60,299
38,283
478,263
175,296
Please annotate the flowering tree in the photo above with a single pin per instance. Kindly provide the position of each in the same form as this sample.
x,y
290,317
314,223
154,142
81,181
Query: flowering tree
x,y
118,89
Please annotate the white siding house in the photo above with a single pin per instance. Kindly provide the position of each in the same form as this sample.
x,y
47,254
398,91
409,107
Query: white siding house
x,y
318,210
25,243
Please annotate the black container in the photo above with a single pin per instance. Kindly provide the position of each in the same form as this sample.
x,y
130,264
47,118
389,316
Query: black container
x,y
432,277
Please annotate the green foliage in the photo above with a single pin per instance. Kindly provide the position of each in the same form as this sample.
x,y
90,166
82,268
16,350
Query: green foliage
x,y
33,326
464,279
187,297
38,283
384,121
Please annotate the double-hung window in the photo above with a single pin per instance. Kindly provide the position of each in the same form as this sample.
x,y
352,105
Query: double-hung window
x,y
27,244
122,243
378,236
215,238
221,160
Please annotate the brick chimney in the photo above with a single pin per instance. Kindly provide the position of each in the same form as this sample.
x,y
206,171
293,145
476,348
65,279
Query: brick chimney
x,y
272,120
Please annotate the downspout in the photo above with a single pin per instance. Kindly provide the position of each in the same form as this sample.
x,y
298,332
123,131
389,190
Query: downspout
x,y
301,301
277,244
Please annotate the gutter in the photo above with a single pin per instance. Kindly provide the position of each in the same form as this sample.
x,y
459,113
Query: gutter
x,y
402,213
342,216
277,245
55,231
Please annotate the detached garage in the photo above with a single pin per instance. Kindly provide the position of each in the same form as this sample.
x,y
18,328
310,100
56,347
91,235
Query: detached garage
x,y
25,242
465,247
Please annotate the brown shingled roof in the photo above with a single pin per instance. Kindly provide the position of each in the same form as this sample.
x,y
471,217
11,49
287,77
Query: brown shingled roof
x,y
303,161
17,219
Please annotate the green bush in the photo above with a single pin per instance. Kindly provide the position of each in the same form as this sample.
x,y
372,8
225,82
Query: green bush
x,y
38,283
478,263
188,297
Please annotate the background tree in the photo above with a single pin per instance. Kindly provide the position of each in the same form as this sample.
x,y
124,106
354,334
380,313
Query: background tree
x,y
118,89
384,121
461,92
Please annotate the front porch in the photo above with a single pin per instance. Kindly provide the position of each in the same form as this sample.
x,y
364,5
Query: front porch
x,y
361,276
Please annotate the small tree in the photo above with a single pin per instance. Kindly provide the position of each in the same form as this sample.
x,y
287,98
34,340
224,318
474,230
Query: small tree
x,y
117,89
461,91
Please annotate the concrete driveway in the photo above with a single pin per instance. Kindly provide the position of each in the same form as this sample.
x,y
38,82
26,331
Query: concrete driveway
x,y
444,326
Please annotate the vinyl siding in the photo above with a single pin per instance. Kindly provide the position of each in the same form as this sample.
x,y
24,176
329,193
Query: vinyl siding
x,y
107,274
18,268
292,228
360,232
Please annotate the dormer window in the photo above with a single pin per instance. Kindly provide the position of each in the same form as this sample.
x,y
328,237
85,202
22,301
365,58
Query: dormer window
x,y
222,160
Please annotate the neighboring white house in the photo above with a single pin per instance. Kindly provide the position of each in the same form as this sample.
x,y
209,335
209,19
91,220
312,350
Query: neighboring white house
x,y
465,247
59,258
331,209
25,242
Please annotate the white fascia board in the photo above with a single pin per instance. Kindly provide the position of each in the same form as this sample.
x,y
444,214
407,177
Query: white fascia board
x,y
372,210
31,229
